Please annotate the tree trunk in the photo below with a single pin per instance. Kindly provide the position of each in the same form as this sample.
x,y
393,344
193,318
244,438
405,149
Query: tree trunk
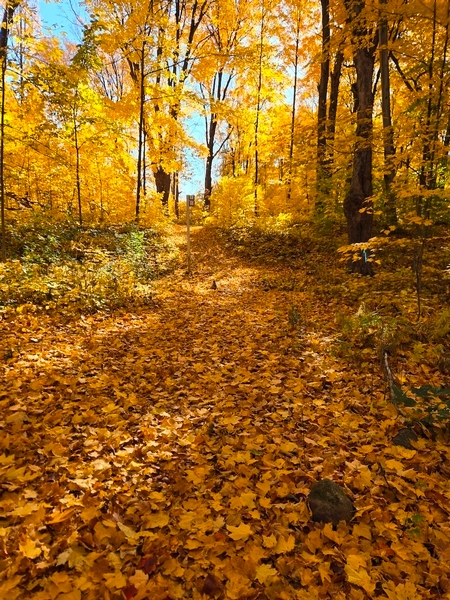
x,y
293,113
427,177
208,181
358,206
258,110
77,169
176,195
8,14
141,136
322,108
335,80
218,93
388,130
162,181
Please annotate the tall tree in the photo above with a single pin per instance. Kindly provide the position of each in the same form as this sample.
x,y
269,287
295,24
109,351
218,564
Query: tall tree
x,y
322,104
388,130
294,106
8,14
258,104
225,27
358,204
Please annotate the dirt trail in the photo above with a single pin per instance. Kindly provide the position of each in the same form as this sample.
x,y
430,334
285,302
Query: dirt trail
x,y
168,452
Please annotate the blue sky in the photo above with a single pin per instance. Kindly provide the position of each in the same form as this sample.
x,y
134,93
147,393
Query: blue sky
x,y
61,18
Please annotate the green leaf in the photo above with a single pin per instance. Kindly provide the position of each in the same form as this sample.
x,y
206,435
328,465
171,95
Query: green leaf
x,y
428,391
401,398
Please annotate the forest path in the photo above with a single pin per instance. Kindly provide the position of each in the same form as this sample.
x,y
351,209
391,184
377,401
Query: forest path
x,y
168,452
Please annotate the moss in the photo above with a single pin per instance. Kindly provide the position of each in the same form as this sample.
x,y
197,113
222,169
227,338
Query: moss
x,y
329,503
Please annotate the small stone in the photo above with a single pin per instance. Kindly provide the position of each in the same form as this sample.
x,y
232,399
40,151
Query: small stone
x,y
329,503
404,438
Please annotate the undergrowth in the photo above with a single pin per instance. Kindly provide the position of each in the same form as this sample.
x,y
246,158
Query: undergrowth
x,y
367,316
58,266
278,241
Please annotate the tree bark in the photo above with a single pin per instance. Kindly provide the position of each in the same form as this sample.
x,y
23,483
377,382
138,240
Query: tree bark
x,y
293,112
176,194
141,134
258,110
388,130
217,94
77,168
335,80
162,182
427,178
322,187
358,206
8,15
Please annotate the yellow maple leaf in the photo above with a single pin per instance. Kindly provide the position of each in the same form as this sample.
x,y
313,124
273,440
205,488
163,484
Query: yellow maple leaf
x,y
363,478
59,517
130,533
324,571
173,567
335,536
10,584
139,579
269,541
185,520
394,465
90,513
248,499
254,552
362,530
288,447
403,591
25,510
115,580
159,519
285,545
265,573
242,532
29,549
236,586
264,486
313,540
72,595
360,577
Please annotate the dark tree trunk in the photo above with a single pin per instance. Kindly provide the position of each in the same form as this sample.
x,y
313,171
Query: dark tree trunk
x,y
358,206
217,94
4,31
322,107
335,80
176,194
162,182
208,180
77,169
141,134
388,130
293,114
258,110
427,178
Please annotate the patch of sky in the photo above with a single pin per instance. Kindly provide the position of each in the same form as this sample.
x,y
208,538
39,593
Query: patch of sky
x,y
63,19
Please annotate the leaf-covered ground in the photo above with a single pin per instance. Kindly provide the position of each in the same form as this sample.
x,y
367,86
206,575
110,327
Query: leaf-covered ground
x,y
167,452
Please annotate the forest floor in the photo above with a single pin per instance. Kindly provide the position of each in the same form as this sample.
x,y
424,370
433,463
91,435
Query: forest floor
x,y
168,452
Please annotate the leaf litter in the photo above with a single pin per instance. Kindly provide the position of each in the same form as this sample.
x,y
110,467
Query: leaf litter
x,y
168,453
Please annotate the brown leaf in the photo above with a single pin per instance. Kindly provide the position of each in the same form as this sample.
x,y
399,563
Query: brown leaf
x,y
211,586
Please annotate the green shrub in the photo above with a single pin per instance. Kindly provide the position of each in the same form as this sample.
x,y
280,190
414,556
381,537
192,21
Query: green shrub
x,y
57,266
